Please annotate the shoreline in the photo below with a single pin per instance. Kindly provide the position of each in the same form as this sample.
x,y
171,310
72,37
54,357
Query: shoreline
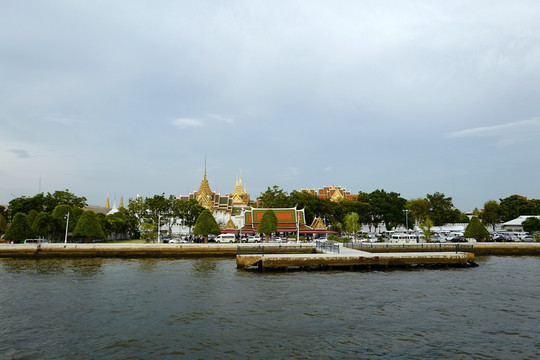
x,y
123,250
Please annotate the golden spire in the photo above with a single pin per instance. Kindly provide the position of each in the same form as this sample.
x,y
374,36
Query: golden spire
x,y
238,192
107,205
121,202
204,195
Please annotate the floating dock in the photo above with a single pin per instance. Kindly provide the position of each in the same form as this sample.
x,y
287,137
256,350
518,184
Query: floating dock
x,y
352,259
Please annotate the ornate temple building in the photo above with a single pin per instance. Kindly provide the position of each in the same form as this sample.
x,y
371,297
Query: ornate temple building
x,y
290,220
225,208
333,193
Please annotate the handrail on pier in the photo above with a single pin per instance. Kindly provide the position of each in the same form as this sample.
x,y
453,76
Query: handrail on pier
x,y
327,246
422,247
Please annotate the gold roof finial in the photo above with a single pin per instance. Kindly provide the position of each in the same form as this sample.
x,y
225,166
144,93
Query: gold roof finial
x,y
107,205
204,195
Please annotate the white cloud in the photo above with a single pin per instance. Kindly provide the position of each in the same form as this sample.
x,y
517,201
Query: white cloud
x,y
185,123
61,119
224,118
507,134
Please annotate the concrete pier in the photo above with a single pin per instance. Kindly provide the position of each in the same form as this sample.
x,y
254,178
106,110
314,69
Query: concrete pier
x,y
348,260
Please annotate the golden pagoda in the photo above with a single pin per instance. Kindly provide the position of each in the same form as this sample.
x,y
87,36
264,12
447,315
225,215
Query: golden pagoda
x,y
107,205
337,195
204,195
239,192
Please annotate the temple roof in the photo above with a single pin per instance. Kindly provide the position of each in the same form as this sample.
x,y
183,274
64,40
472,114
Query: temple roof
x,y
204,195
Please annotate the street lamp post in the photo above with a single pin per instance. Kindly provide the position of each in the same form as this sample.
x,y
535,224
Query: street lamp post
x,y
67,224
158,225
407,219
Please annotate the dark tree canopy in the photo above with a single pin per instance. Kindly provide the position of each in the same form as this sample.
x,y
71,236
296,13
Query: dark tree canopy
x,y
43,225
19,229
274,198
187,211
88,227
268,224
491,213
206,224
47,203
3,224
516,205
531,225
476,230
419,208
441,209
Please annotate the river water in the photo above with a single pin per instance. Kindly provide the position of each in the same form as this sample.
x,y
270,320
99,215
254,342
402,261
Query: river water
x,y
207,309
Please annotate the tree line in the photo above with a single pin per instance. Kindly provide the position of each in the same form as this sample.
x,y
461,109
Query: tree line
x,y
46,215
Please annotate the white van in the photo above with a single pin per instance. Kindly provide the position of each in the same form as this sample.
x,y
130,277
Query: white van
x,y
225,238
35,241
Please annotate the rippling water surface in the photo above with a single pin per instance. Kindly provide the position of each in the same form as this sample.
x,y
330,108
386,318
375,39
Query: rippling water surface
x,y
206,309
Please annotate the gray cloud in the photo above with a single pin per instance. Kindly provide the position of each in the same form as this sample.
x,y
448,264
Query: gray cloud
x,y
506,134
367,87
20,153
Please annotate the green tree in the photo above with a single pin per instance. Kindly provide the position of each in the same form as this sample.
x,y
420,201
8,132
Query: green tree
x,y
268,224
476,230
43,226
41,202
160,208
425,227
313,205
491,213
59,218
148,231
516,205
106,226
31,217
387,208
64,197
419,208
137,209
352,224
25,204
123,226
19,229
88,227
3,224
205,225
274,198
187,211
441,209
531,225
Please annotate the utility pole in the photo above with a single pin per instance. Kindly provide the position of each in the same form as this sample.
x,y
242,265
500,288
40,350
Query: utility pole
x,y
67,224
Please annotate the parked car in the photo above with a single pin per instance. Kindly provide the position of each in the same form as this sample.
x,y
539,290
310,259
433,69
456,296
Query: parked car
x,y
254,239
276,239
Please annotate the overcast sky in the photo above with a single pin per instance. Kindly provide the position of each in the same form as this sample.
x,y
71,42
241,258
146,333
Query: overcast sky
x,y
127,97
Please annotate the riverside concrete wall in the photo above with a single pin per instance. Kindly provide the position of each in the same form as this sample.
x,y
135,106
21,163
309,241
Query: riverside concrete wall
x,y
128,250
